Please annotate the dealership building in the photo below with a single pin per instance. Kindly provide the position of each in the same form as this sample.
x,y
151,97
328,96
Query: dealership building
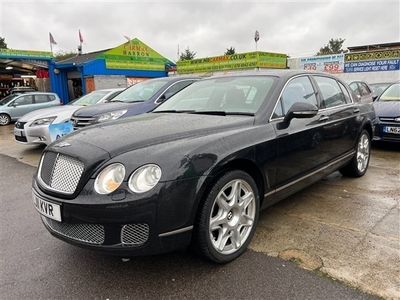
x,y
121,66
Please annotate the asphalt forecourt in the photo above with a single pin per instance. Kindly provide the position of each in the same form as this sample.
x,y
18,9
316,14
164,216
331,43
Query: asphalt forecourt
x,y
36,265
341,228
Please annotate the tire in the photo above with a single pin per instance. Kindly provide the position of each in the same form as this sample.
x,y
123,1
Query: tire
x,y
234,220
4,119
358,165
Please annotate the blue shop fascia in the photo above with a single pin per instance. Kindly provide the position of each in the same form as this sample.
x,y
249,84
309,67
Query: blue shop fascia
x,y
117,67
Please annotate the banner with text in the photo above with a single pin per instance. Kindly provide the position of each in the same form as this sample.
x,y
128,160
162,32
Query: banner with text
x,y
233,62
135,55
372,61
324,63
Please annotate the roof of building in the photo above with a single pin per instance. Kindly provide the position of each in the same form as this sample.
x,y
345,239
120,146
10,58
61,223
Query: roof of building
x,y
81,59
383,46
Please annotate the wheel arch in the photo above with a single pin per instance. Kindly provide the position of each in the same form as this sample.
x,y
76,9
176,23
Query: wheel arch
x,y
243,164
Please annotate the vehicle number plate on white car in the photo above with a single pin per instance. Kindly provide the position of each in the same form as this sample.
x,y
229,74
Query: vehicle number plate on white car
x,y
50,210
390,129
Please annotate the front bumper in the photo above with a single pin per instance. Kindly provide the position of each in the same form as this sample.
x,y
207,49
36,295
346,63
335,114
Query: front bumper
x,y
127,227
381,135
33,135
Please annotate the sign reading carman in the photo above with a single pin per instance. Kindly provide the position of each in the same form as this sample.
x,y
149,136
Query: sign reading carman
x,y
134,55
232,62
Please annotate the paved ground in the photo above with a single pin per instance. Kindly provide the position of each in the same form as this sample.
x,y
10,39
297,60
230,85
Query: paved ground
x,y
346,228
35,265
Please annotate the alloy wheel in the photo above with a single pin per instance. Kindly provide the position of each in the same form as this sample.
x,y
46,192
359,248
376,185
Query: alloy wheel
x,y
232,216
363,149
4,119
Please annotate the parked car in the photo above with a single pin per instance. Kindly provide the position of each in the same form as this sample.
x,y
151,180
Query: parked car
x,y
378,88
201,166
387,107
46,125
362,91
21,90
15,106
137,99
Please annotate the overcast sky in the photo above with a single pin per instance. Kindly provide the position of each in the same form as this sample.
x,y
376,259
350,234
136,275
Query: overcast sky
x,y
298,28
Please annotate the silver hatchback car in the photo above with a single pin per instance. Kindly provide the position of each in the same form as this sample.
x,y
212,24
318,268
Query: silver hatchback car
x,y
15,106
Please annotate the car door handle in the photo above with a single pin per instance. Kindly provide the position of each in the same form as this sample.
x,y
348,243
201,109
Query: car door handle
x,y
323,118
356,110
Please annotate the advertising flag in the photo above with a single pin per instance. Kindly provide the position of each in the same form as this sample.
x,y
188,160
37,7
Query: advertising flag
x,y
52,40
256,36
80,37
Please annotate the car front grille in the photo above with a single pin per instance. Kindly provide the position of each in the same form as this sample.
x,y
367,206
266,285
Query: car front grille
x,y
87,233
21,138
60,172
388,120
80,122
134,234
20,125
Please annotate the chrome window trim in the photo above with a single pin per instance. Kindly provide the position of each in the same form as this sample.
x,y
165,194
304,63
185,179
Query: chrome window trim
x,y
309,174
176,82
319,109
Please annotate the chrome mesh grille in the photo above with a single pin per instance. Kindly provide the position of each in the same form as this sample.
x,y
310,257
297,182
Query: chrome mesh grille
x,y
63,175
134,234
87,233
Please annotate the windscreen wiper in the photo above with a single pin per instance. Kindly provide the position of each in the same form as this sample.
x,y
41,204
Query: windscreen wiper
x,y
173,111
222,113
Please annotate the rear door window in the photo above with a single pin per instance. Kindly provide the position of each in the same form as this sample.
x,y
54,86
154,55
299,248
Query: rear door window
x,y
364,89
354,87
41,98
331,93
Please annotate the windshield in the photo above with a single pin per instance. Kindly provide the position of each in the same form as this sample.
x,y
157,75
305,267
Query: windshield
x,y
7,99
378,88
391,94
91,98
230,95
141,91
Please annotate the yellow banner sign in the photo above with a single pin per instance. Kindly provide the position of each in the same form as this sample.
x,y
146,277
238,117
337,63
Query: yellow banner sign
x,y
373,55
233,62
134,55
29,54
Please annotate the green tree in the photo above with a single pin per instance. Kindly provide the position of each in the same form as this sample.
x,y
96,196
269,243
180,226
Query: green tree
x,y
187,54
334,46
230,51
3,44
61,55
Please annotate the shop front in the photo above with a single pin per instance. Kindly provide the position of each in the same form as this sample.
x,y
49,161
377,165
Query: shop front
x,y
24,70
121,66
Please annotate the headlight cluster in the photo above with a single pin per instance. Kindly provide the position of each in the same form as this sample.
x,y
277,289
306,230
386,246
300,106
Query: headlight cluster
x,y
111,115
141,180
43,121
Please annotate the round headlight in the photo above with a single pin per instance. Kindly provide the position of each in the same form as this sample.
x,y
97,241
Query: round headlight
x,y
144,178
109,179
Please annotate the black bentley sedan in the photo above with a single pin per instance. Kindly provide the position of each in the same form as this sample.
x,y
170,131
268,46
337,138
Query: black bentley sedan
x,y
198,169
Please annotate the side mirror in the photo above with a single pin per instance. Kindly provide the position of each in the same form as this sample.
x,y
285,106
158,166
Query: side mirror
x,y
13,104
374,97
299,110
161,99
